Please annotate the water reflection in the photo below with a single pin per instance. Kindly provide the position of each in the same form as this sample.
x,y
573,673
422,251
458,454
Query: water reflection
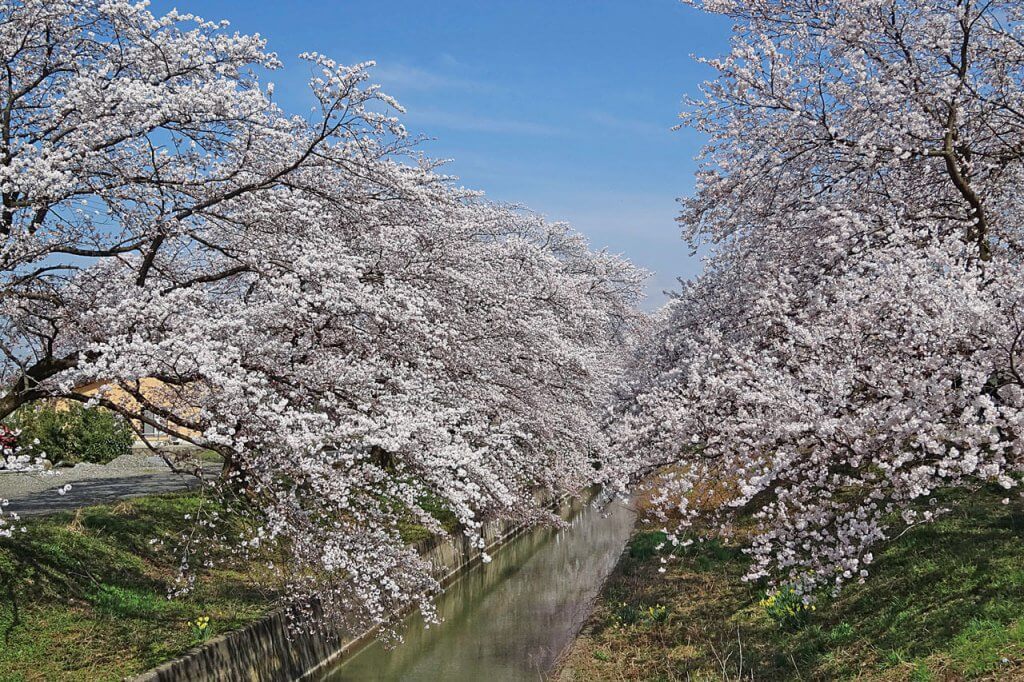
x,y
510,619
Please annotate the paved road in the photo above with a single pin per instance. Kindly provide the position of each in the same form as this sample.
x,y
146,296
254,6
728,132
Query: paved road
x,y
97,491
117,485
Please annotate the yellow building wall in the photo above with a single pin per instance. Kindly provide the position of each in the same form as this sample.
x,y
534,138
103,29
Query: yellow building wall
x,y
153,391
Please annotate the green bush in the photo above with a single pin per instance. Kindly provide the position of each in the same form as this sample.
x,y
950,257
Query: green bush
x,y
72,434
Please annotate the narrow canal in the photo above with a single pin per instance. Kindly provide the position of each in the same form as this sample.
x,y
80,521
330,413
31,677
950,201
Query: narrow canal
x,y
509,619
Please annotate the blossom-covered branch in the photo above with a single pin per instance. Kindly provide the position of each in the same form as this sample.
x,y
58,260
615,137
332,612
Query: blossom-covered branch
x,y
354,334
854,343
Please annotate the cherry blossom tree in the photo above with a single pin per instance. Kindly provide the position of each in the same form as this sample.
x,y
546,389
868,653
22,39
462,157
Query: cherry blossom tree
x,y
854,343
356,335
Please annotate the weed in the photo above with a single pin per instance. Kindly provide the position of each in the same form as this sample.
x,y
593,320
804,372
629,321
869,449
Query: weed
x,y
786,607
200,628
643,546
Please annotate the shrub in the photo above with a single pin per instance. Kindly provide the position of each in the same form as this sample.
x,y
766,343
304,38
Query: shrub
x,y
102,435
71,434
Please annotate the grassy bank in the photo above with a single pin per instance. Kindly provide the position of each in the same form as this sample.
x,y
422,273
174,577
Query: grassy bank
x,y
944,602
83,596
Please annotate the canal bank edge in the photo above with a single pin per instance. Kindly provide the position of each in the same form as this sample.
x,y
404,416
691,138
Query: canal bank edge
x,y
268,650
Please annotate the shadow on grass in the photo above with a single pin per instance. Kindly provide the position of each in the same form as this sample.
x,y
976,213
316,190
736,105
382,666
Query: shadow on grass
x,y
933,587
85,595
944,601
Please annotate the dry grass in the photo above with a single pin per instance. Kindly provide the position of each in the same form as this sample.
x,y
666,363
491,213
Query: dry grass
x,y
945,602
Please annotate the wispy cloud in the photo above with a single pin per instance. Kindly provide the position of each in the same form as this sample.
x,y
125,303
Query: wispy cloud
x,y
483,124
408,77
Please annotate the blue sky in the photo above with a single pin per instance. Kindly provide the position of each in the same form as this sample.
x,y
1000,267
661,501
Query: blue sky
x,y
564,106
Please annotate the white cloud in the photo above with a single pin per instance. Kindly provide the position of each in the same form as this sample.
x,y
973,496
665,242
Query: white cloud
x,y
406,77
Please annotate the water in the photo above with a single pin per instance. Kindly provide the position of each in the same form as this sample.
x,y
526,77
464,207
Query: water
x,y
509,619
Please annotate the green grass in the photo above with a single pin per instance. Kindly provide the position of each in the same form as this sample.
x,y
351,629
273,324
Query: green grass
x,y
84,596
209,456
943,602
413,532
